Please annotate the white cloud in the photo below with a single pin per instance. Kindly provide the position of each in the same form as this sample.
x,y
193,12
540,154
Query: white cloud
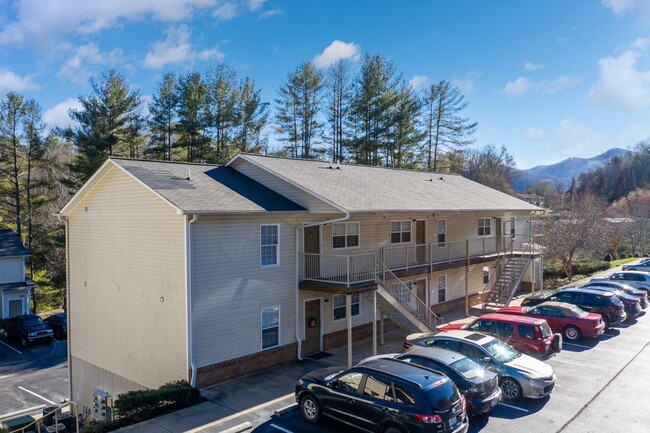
x,y
77,67
270,13
48,23
335,51
576,138
418,81
524,85
530,66
177,49
621,84
58,115
12,82
254,5
535,134
226,11
466,82
619,6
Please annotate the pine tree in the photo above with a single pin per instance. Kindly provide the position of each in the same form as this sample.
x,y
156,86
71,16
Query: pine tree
x,y
339,98
193,118
405,134
223,96
252,117
163,115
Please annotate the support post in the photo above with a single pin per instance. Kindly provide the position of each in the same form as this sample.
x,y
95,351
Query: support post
x,y
374,323
348,314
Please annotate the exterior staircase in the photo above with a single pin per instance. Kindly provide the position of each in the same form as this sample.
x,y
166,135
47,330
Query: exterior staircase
x,y
399,303
499,293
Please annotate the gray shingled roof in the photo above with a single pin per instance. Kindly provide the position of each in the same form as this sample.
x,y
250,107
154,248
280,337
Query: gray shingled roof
x,y
210,189
373,189
11,246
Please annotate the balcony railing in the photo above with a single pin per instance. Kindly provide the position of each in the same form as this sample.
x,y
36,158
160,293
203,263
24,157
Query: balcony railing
x,y
360,267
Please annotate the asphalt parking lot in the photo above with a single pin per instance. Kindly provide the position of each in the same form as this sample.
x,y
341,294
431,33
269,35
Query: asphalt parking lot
x,y
601,386
33,375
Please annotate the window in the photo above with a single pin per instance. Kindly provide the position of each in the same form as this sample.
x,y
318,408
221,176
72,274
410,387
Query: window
x,y
446,344
404,395
504,330
484,226
486,274
269,244
345,235
270,327
400,232
348,382
378,388
526,331
442,229
484,326
512,226
442,288
339,306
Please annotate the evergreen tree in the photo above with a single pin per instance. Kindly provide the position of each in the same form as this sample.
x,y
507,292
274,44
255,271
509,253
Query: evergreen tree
x,y
109,124
163,115
405,135
223,96
193,118
252,117
446,129
297,107
340,89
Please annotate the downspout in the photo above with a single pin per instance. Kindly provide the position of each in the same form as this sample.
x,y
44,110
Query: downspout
x,y
67,297
303,227
188,291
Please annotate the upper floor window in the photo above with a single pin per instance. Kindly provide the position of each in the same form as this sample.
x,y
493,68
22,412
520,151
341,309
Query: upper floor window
x,y
339,306
442,230
345,235
270,327
400,232
484,226
269,245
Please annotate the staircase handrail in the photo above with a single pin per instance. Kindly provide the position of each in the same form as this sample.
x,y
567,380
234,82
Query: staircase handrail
x,y
492,281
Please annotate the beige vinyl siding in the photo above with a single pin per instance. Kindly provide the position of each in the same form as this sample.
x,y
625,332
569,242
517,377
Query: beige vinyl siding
x,y
293,193
12,270
127,283
230,287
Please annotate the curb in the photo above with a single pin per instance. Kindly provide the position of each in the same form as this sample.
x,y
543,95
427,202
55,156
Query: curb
x,y
239,428
283,410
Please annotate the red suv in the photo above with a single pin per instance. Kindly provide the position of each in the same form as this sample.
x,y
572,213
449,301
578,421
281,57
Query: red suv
x,y
530,335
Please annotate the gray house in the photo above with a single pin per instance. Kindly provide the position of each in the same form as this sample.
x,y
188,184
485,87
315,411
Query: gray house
x,y
15,288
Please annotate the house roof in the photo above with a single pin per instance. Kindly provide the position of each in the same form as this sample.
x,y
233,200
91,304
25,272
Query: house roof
x,y
360,189
13,287
11,246
205,188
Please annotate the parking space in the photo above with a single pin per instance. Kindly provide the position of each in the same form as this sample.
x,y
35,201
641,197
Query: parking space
x,y
33,375
600,382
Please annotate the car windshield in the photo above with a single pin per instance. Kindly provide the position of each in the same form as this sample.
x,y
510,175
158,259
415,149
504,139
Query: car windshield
x,y
579,312
32,321
468,368
501,351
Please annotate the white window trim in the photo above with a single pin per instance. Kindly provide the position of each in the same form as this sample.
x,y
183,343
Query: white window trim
x,y
279,307
277,247
334,319
346,247
441,244
483,275
438,289
513,226
400,232
490,226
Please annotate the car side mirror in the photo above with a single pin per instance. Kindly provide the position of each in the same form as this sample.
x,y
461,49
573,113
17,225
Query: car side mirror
x,y
486,360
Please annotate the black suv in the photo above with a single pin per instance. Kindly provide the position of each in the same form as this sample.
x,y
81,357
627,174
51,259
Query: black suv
x,y
28,328
604,303
383,395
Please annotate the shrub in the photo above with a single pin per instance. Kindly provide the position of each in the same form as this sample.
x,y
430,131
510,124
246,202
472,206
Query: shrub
x,y
623,256
555,270
636,255
147,404
608,257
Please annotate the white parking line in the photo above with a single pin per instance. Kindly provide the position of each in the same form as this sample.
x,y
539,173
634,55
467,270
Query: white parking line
x,y
514,407
577,345
568,362
280,428
39,396
11,347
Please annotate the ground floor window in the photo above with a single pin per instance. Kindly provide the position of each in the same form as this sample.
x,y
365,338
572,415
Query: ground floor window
x,y
339,306
442,288
486,274
270,327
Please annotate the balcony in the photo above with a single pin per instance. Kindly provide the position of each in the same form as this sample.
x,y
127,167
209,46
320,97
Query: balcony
x,y
357,271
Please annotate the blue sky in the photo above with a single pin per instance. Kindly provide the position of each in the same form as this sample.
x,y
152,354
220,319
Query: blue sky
x,y
547,79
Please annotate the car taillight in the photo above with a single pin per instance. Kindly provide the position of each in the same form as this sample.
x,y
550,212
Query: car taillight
x,y
614,310
462,398
429,419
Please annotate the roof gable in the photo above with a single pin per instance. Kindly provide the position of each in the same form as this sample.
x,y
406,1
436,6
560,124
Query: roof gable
x,y
11,245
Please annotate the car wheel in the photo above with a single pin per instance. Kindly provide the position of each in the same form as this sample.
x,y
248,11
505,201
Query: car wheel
x,y
310,408
23,342
510,388
572,333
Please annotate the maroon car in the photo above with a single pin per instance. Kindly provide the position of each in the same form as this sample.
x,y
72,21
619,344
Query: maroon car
x,y
568,319
530,335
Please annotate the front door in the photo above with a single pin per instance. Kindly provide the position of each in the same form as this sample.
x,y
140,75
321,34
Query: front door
x,y
497,231
420,241
312,327
15,307
311,247
422,293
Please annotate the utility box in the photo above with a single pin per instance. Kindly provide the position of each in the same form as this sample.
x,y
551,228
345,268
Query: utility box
x,y
102,405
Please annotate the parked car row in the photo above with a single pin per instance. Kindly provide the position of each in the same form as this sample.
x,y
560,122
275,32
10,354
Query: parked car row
x,y
29,329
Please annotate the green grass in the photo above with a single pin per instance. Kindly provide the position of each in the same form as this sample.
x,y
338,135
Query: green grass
x,y
614,263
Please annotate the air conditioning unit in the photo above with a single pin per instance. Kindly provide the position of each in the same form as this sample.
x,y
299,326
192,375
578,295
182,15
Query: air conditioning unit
x,y
102,406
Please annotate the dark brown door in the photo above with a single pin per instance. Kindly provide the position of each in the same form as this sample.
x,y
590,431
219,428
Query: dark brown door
x,y
312,327
312,251
421,292
498,234
420,241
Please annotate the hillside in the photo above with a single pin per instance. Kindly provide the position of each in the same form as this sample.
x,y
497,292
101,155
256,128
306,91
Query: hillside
x,y
565,170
